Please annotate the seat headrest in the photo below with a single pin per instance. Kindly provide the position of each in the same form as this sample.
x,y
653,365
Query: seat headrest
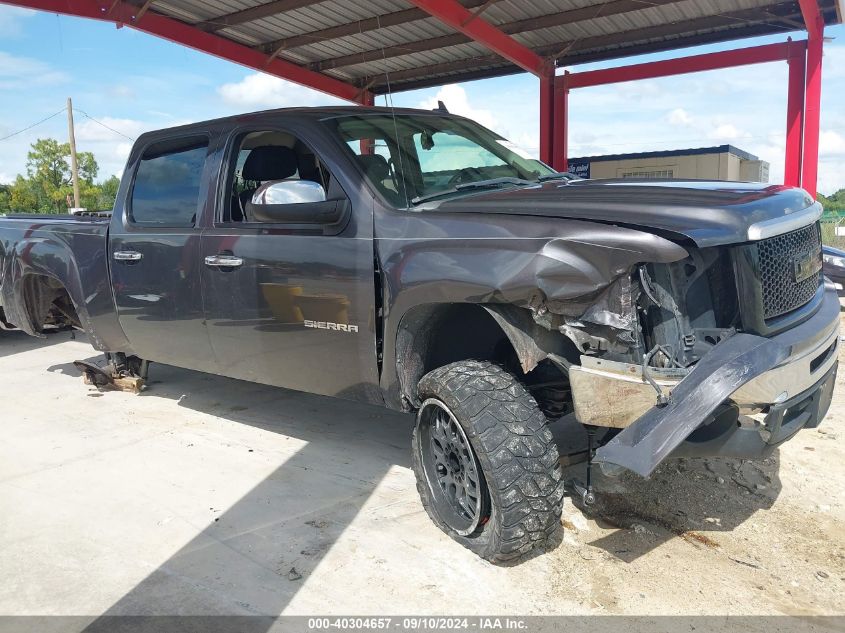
x,y
375,166
270,162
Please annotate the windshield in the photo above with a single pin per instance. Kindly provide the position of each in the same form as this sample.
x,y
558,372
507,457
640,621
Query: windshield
x,y
414,157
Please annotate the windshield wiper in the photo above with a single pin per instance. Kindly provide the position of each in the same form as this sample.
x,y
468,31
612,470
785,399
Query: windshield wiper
x,y
559,175
492,183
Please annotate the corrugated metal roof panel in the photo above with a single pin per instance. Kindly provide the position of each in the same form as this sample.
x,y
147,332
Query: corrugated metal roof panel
x,y
384,37
625,24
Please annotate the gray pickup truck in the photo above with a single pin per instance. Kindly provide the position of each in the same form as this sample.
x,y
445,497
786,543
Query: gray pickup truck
x,y
417,260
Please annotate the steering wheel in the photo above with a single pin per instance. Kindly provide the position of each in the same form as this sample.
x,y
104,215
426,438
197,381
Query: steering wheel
x,y
467,174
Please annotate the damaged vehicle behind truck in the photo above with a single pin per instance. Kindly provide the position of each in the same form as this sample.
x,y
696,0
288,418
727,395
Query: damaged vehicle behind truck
x,y
417,260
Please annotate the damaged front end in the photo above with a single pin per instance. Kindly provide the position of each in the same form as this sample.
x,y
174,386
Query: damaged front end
x,y
671,354
646,331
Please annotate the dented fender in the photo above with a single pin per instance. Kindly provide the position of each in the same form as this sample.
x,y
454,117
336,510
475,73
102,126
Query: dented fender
x,y
542,266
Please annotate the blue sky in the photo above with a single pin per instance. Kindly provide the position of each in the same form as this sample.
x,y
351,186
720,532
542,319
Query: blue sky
x,y
132,82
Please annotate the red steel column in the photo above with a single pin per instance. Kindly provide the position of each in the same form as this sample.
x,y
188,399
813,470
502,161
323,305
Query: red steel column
x,y
547,117
368,99
560,148
812,108
795,115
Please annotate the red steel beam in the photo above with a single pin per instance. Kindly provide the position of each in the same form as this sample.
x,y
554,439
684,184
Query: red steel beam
x,y
152,23
795,115
367,146
560,149
682,65
812,17
547,118
802,134
812,110
461,19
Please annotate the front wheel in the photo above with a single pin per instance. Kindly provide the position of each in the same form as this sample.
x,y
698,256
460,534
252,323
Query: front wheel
x,y
487,466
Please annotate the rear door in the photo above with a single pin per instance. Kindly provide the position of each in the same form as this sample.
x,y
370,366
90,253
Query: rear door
x,y
154,250
291,305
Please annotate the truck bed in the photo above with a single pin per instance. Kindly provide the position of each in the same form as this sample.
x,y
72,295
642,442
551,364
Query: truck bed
x,y
66,251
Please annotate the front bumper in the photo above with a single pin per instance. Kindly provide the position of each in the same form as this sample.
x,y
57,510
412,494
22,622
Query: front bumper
x,y
814,347
790,375
726,435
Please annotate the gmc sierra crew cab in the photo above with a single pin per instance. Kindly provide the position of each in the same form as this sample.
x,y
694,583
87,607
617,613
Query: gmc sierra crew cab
x,y
418,260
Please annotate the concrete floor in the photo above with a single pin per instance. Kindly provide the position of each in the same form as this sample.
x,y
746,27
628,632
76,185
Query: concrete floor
x,y
206,495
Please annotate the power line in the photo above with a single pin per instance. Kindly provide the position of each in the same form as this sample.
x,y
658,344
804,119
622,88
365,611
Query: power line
x,y
100,123
29,127
55,114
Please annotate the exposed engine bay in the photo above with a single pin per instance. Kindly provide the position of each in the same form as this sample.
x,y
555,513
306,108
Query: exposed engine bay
x,y
652,324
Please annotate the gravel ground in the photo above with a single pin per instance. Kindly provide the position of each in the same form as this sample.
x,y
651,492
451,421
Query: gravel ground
x,y
209,495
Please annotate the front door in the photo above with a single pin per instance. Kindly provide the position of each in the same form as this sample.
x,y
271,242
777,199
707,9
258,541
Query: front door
x,y
155,254
290,304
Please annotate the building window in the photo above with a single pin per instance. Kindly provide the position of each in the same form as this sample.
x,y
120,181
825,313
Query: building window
x,y
662,173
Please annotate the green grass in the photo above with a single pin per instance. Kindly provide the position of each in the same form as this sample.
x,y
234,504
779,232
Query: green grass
x,y
829,237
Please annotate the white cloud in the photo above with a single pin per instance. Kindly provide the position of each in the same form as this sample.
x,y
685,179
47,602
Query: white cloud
x,y
833,63
110,148
120,153
831,143
11,20
455,98
90,130
259,90
830,175
679,116
122,91
727,132
17,73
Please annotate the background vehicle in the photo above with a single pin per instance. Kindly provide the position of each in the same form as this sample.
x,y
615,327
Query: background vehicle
x,y
834,267
417,260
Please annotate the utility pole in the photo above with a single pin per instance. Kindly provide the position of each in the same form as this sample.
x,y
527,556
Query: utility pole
x,y
74,170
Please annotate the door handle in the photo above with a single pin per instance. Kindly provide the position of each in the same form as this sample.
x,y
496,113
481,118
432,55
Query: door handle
x,y
224,261
127,256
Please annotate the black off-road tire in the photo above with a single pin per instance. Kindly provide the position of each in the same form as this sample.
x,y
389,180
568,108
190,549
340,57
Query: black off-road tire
x,y
517,455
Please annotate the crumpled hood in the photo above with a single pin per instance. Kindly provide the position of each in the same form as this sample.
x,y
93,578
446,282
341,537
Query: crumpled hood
x,y
708,213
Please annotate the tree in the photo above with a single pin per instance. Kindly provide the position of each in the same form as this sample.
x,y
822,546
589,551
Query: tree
x,y
48,169
48,186
23,197
833,204
5,195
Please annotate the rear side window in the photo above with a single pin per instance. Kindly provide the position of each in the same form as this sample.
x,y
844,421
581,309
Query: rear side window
x,y
166,191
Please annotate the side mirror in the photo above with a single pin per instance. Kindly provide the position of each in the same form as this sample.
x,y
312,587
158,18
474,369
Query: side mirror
x,y
289,192
293,202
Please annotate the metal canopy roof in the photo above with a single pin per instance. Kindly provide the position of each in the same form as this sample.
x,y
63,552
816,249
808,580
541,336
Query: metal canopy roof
x,y
355,50
392,44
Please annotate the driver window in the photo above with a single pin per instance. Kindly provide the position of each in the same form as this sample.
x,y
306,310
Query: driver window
x,y
265,158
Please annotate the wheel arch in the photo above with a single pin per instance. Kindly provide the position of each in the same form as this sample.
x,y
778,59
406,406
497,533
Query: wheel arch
x,y
38,273
39,295
433,335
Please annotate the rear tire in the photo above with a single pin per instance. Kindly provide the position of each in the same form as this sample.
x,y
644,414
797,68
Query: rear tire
x,y
487,466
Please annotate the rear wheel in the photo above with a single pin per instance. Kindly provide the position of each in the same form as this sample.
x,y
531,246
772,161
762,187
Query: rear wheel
x,y
487,467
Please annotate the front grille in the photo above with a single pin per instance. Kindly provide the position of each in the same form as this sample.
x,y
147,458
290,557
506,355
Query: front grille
x,y
777,258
